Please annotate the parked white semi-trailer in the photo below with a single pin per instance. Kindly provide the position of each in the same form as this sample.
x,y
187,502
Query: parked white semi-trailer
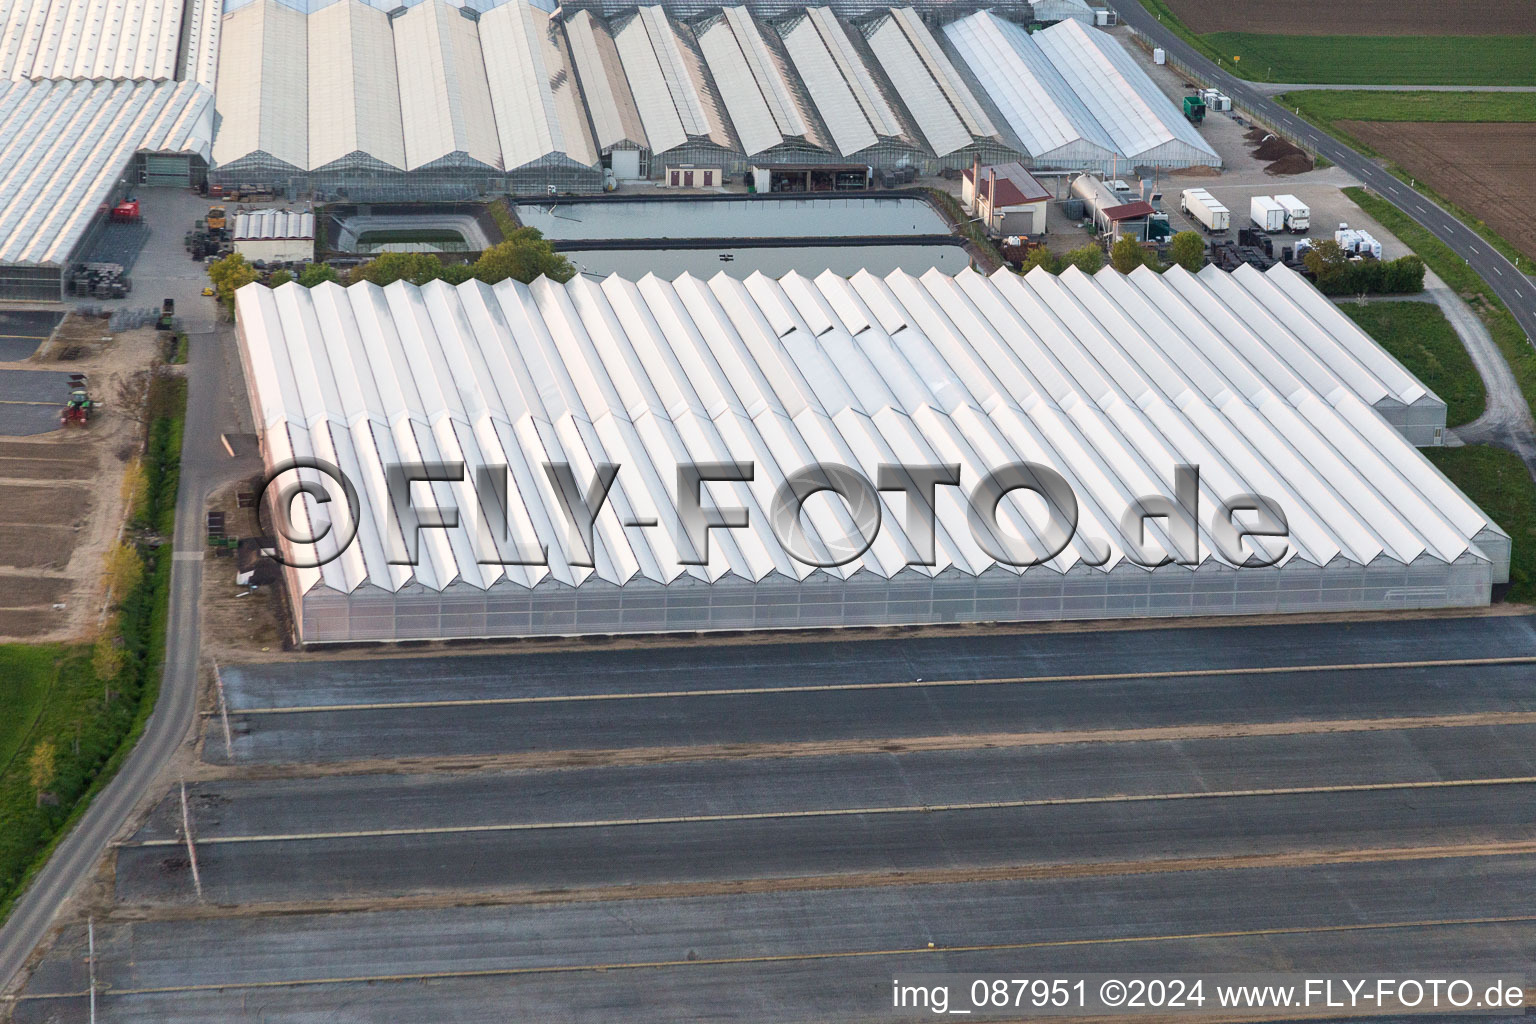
x,y
1297,216
1205,209
1267,215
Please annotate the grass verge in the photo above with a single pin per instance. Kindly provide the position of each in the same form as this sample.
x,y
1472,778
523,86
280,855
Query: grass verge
x,y
95,700
1501,485
1420,337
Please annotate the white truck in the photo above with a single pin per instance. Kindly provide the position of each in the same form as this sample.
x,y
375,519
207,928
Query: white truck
x,y
1267,215
1297,216
1206,210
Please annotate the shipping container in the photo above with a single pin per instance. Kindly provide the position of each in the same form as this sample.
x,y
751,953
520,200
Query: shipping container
x,y
1206,210
1297,216
1267,215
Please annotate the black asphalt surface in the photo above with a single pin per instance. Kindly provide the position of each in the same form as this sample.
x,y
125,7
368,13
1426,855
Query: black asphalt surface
x,y
810,956
30,401
916,778
1514,289
22,331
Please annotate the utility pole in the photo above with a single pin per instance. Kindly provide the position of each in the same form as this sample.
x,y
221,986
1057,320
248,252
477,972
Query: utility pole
x,y
186,830
229,743
90,932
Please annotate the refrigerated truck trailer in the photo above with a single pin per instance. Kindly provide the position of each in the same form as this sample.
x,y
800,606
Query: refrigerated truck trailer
x,y
1206,210
1297,217
1267,215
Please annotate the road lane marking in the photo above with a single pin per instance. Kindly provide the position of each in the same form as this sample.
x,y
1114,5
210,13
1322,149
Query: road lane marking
x,y
772,958
905,684
838,812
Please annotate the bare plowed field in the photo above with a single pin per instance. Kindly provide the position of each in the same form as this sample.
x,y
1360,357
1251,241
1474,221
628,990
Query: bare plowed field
x,y
1487,169
1359,17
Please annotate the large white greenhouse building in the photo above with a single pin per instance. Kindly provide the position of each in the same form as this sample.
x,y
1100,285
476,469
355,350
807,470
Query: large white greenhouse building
x,y
1109,381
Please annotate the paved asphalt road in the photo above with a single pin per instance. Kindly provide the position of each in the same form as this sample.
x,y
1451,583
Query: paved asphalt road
x,y
210,408
1517,291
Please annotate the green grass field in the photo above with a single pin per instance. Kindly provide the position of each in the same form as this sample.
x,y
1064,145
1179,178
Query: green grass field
x,y
29,673
1497,480
1419,336
1323,107
1379,60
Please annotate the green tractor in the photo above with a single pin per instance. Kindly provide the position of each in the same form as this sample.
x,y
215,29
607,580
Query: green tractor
x,y
78,409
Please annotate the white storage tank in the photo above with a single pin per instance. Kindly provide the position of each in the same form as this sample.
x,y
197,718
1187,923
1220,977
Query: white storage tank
x,y
1297,215
1158,56
1266,214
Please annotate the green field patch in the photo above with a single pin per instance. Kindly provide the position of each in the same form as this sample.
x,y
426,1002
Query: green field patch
x,y
1378,60
28,673
1325,106
1499,483
1420,337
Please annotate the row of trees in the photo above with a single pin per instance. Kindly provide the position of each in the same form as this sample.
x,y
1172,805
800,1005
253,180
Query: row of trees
x,y
1186,249
1337,274
523,256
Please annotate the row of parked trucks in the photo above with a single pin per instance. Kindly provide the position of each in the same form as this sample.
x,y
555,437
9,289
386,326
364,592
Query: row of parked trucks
x,y
1270,214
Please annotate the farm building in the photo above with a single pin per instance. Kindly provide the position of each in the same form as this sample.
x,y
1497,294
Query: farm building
x,y
1045,117
70,39
1110,381
1141,122
950,119
274,236
1008,199
70,150
432,101
452,99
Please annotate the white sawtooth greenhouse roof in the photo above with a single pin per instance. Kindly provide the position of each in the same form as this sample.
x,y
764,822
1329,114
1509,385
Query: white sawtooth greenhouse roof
x,y
1046,115
763,107
263,85
539,112
1141,120
1110,380
843,90
200,60
1062,10
354,101
272,224
947,114
669,84
64,146
445,97
615,118
91,39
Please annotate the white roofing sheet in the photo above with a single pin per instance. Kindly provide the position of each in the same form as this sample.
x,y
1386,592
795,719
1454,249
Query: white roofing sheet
x,y
1111,381
354,101
1041,108
609,100
668,82
1134,112
761,103
946,113
200,61
839,86
445,99
264,224
91,39
65,145
860,78
539,113
263,88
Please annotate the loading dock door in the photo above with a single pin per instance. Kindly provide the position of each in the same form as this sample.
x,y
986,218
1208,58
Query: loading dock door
x,y
626,164
167,170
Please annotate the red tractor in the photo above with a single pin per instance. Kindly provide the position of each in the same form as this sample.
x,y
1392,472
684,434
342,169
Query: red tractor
x,y
78,409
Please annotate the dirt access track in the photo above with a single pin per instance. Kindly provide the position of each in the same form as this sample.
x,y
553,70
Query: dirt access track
x,y
1487,169
1360,17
